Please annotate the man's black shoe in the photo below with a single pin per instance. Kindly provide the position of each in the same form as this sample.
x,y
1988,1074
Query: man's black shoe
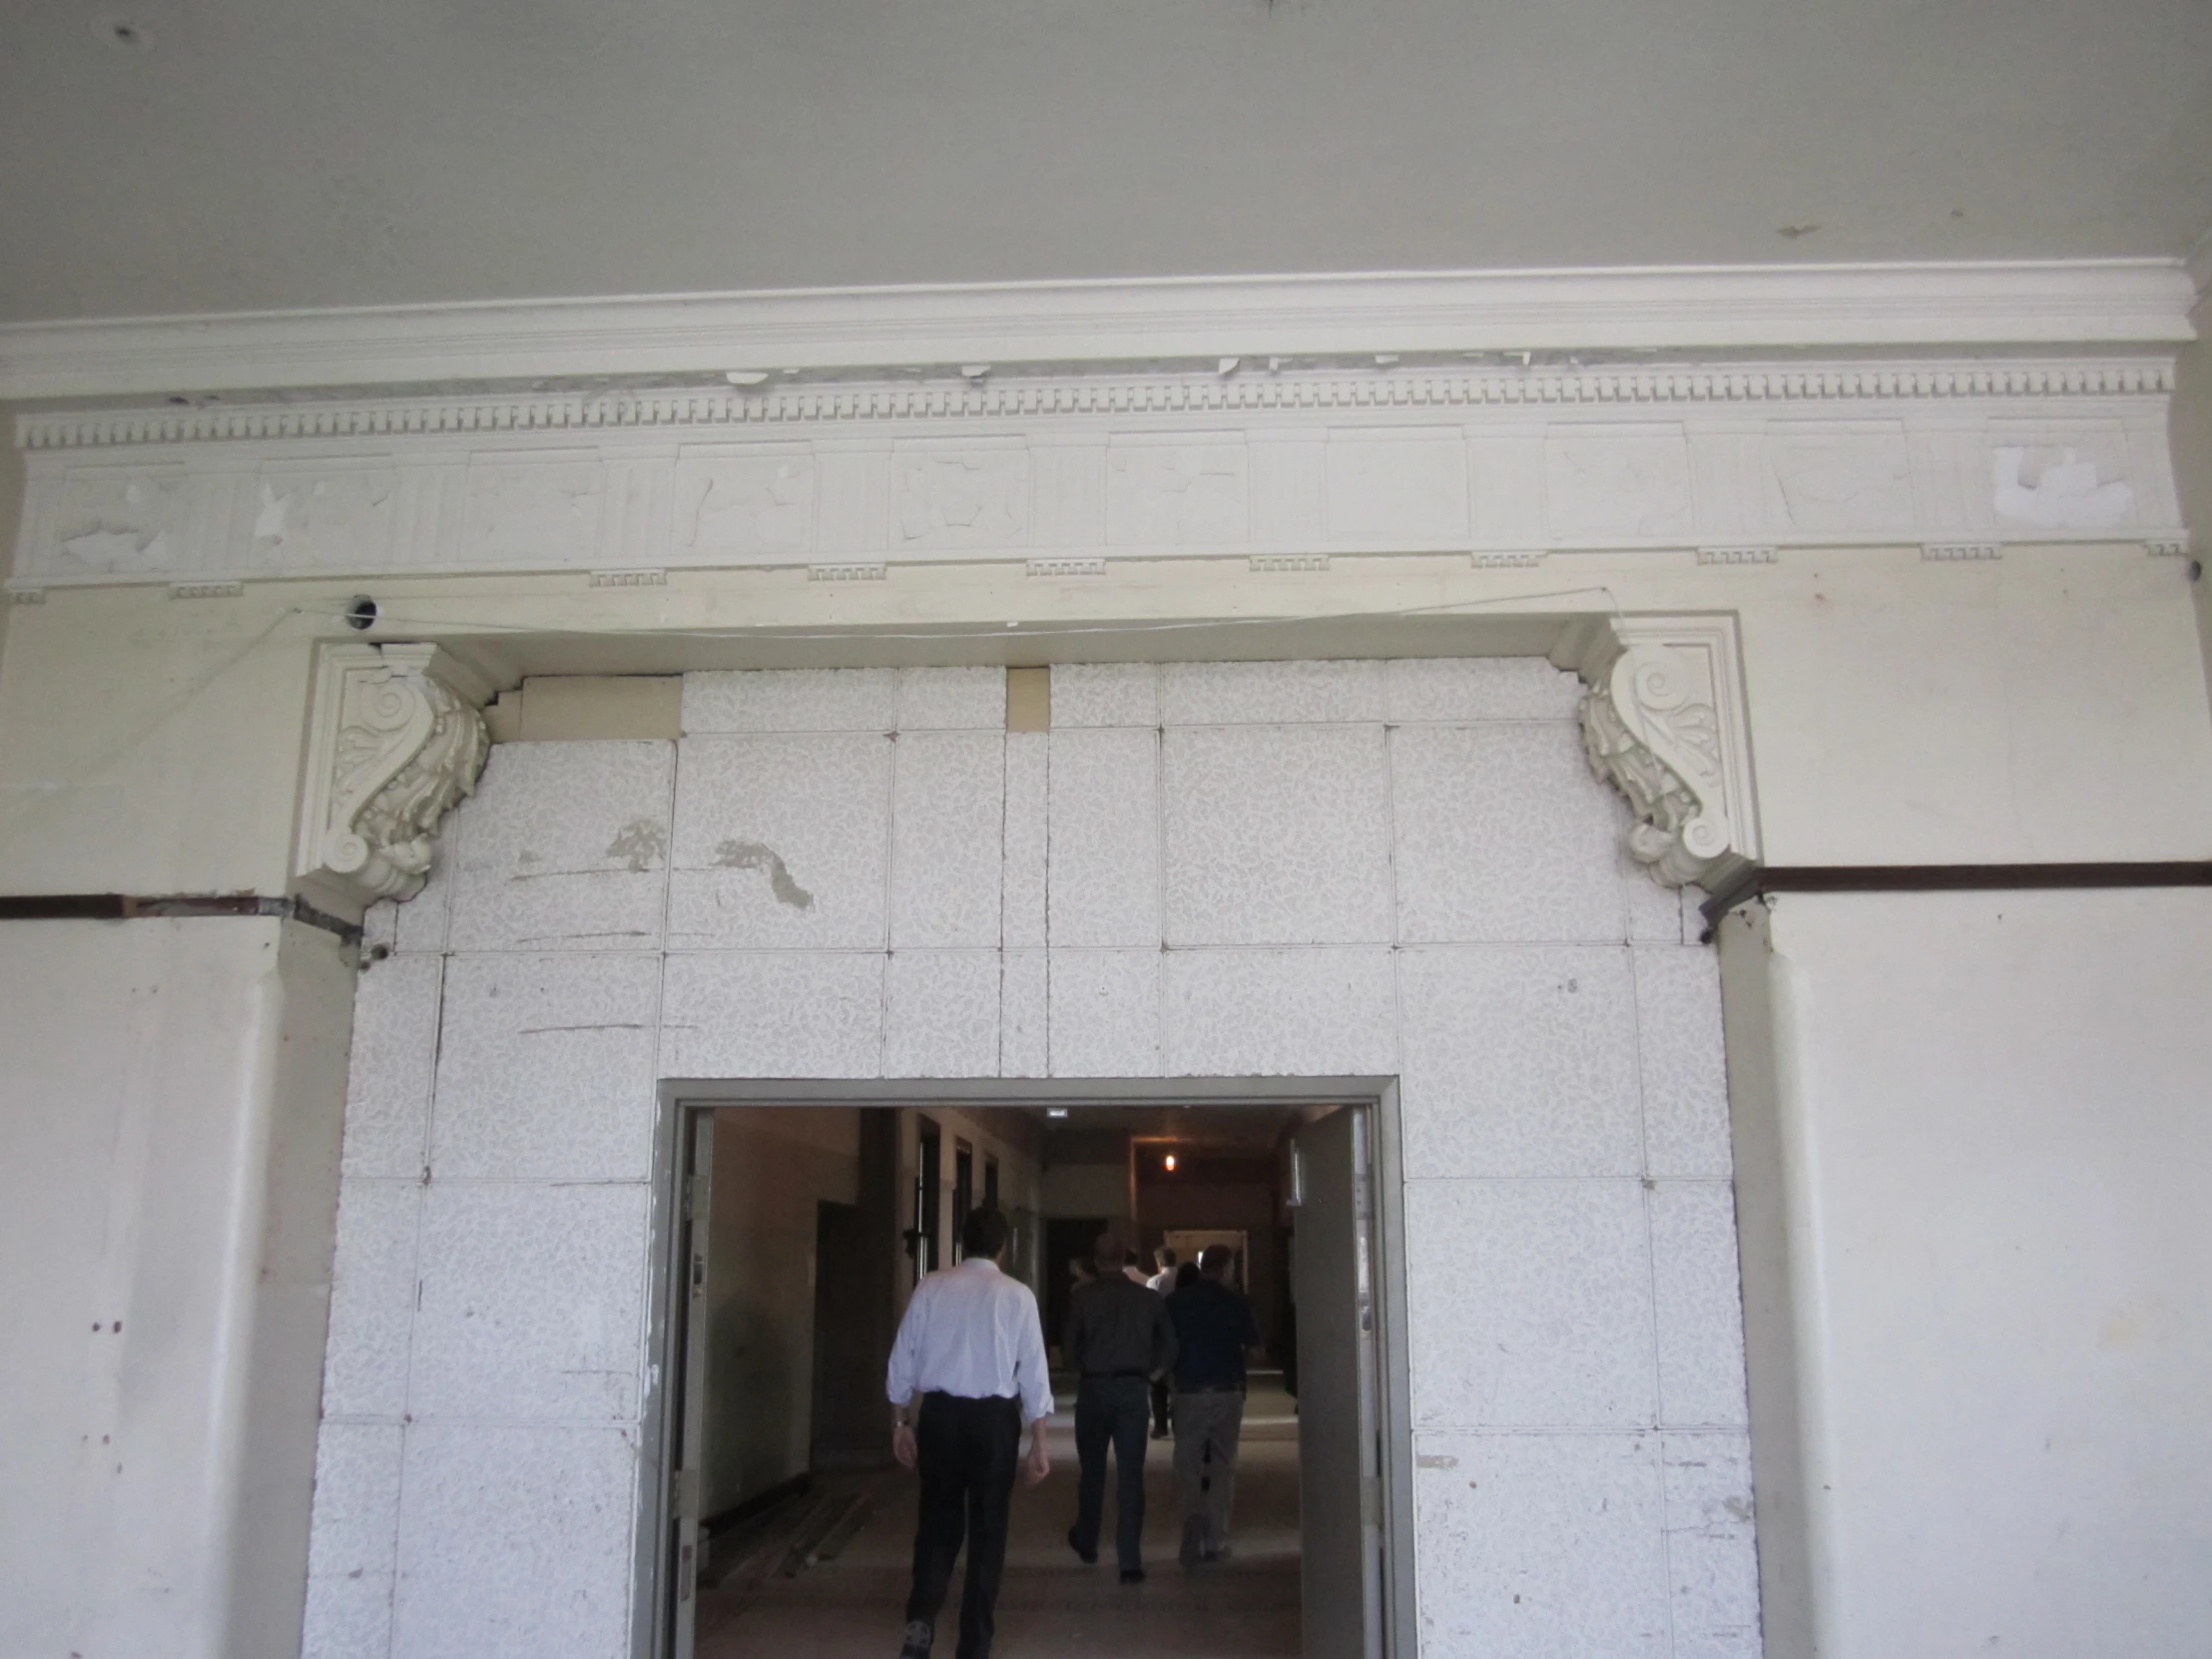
x,y
1089,1556
1132,1575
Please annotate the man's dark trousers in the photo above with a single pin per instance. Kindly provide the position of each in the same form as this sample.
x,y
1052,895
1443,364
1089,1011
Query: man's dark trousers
x,y
1112,1411
967,1451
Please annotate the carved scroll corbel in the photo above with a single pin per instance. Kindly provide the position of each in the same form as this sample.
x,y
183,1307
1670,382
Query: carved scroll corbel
x,y
1663,722
396,742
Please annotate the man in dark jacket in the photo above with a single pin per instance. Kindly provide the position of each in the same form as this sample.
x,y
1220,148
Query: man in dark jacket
x,y
1118,1341
1214,1328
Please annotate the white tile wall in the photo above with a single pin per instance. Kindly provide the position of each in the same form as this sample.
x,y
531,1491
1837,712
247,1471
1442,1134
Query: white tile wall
x,y
1277,834
564,847
782,841
1502,834
373,1291
1103,811
1284,1013
1711,1556
773,1014
1529,1304
1303,869
546,1067
941,1014
1541,1546
396,1045
948,821
514,1543
531,1302
1519,1061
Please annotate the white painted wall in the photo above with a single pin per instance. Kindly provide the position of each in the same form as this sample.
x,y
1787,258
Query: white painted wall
x,y
772,1167
167,1171
1983,1116
1316,868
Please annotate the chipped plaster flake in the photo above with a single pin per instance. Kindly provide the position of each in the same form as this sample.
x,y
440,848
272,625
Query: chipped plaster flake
x,y
2065,494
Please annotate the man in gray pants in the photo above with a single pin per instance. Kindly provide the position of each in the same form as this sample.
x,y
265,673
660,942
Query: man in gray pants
x,y
1214,1328
1118,1341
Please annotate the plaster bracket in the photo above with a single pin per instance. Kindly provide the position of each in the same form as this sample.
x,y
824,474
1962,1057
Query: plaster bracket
x,y
395,739
1664,723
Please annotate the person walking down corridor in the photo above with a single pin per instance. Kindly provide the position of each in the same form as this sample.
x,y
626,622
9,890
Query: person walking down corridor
x,y
1214,1330
968,1369
1161,1283
1118,1341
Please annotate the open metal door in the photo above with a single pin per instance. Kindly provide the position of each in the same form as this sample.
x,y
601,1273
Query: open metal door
x,y
1339,1440
696,1189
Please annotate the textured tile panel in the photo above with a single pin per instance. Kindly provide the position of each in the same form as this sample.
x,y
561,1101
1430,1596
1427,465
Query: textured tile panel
x,y
942,1018
396,1043
372,1298
1700,1307
532,1302
347,1618
782,841
951,698
1540,1546
948,824
1105,694
422,922
1655,912
773,1014
1022,881
1219,693
1103,871
1277,836
1519,1061
565,846
1236,1014
1021,1015
1502,834
545,1067
356,1500
515,1543
1712,1552
792,699
1480,687
1529,1304
1104,1013
1684,1066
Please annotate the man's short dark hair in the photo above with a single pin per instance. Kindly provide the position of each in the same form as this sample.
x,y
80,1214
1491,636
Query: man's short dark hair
x,y
1215,1260
983,1233
1164,1256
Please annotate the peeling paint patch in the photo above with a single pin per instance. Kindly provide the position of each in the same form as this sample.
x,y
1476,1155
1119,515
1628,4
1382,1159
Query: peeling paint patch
x,y
1436,1460
753,856
641,842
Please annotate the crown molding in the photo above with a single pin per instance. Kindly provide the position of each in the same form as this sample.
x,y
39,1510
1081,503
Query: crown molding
x,y
1893,308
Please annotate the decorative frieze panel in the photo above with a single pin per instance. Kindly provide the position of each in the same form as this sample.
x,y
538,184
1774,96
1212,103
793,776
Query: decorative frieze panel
x,y
1663,721
395,742
1110,467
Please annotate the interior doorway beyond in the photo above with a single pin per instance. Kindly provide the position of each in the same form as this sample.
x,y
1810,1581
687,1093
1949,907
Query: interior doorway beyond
x,y
769,1333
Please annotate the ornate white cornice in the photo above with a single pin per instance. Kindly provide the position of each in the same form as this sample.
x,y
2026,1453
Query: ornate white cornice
x,y
396,740
1829,308
1664,722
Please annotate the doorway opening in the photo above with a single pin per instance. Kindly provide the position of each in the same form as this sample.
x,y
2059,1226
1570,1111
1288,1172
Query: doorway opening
x,y
793,1222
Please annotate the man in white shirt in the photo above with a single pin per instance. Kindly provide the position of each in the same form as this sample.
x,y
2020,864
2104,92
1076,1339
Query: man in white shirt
x,y
966,1371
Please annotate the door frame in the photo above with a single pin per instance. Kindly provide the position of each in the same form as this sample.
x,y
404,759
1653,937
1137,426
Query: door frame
x,y
653,1566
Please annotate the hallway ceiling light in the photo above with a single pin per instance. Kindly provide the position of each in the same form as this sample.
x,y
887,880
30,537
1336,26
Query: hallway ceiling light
x,y
1169,1163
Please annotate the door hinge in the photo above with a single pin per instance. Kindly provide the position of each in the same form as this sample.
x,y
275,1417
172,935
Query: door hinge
x,y
683,1494
1370,1501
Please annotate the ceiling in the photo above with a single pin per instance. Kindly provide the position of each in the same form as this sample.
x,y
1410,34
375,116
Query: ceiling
x,y
313,152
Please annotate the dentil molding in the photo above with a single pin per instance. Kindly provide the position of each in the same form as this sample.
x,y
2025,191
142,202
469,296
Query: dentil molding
x,y
396,740
1663,721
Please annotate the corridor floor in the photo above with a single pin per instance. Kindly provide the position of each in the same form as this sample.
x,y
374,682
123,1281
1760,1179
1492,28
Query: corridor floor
x,y
1051,1605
